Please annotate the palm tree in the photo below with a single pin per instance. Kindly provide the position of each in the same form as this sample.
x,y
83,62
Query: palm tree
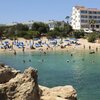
x,y
92,23
67,18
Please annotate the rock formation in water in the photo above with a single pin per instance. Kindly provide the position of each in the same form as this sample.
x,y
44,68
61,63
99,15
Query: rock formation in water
x,y
58,93
15,85
18,86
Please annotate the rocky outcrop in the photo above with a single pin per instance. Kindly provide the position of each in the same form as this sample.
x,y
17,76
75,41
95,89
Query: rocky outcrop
x,y
58,93
21,87
6,73
15,85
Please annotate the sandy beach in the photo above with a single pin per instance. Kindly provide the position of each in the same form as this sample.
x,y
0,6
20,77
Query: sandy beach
x,y
83,45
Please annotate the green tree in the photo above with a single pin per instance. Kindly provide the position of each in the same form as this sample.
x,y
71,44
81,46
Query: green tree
x,y
78,34
9,32
35,26
98,36
53,34
67,28
64,30
92,37
2,29
36,34
92,23
21,33
22,27
40,27
67,18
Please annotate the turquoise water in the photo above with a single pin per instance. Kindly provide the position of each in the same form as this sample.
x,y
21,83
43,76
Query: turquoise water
x,y
82,70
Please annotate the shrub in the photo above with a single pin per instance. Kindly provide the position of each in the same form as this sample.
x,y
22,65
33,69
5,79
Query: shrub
x,y
92,37
53,34
78,34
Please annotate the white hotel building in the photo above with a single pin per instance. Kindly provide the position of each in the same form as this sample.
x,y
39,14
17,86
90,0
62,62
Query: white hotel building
x,y
82,16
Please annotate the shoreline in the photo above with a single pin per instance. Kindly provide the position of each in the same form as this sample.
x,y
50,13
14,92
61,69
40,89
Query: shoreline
x,y
84,46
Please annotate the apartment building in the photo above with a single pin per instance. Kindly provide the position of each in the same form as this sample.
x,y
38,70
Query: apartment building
x,y
85,18
52,24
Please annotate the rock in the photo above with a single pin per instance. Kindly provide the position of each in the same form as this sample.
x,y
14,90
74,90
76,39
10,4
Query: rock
x,y
2,65
58,93
6,73
21,87
15,85
51,98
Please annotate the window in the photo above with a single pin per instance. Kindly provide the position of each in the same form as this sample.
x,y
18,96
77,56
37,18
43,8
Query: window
x,y
82,16
90,12
98,16
94,16
94,12
83,21
92,26
97,26
97,21
84,26
83,11
90,16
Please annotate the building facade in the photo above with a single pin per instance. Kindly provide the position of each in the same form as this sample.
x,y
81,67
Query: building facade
x,y
52,24
85,18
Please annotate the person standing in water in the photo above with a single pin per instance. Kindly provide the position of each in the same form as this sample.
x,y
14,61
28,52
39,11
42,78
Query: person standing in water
x,y
14,52
23,49
96,49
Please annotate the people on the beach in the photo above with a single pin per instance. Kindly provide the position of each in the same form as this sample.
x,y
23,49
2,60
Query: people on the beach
x,y
12,45
84,46
23,48
89,47
29,44
14,52
96,49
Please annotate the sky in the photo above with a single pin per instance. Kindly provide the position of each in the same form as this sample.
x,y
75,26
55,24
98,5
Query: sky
x,y
40,10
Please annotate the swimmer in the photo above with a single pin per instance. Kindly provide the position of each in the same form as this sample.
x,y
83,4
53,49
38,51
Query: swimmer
x,y
42,60
44,52
71,54
23,61
96,49
93,62
82,59
67,60
73,60
29,60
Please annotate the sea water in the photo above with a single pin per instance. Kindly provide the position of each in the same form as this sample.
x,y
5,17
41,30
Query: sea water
x,y
77,68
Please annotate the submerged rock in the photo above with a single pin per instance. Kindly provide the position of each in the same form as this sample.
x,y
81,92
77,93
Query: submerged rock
x,y
15,85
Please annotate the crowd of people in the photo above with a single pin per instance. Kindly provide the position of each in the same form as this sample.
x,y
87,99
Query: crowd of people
x,y
46,44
